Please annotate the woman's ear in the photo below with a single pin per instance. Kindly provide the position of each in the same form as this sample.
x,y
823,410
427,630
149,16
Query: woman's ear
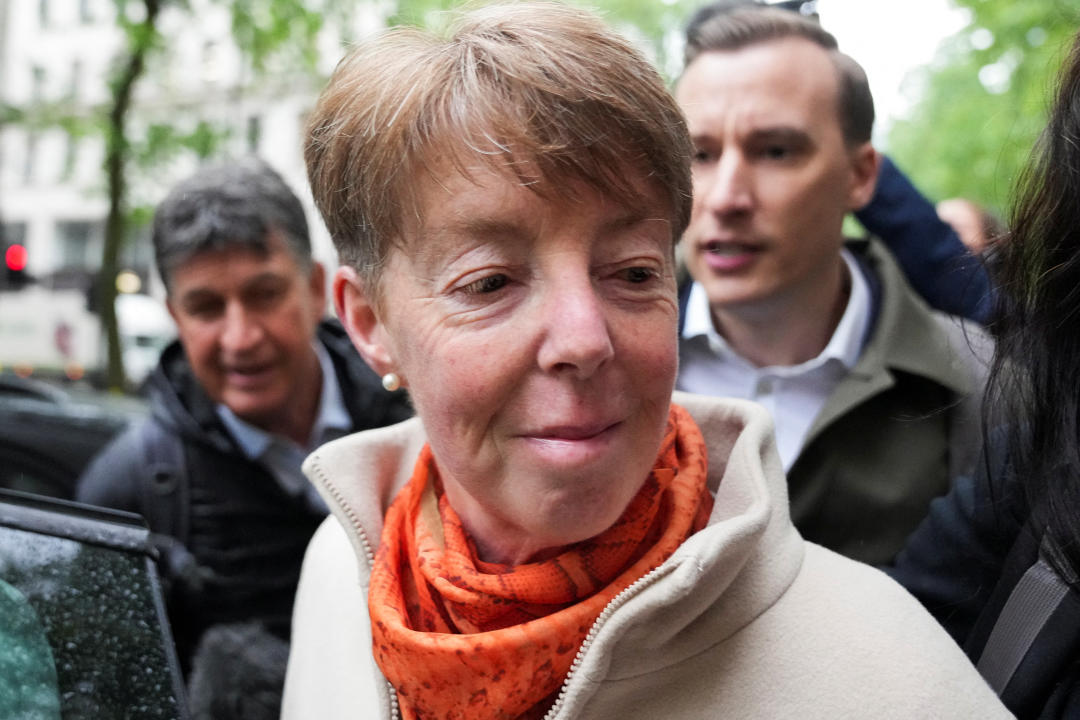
x,y
356,308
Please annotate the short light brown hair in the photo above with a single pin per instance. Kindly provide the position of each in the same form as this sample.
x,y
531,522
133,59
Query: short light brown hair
x,y
540,90
726,26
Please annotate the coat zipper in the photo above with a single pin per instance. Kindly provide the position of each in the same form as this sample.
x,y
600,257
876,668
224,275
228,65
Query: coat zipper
x,y
395,711
614,604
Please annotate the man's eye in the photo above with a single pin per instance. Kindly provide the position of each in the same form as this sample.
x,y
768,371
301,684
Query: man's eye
x,y
264,296
776,152
702,156
485,285
205,310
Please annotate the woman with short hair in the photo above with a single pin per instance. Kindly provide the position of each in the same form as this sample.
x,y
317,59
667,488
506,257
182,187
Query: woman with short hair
x,y
552,536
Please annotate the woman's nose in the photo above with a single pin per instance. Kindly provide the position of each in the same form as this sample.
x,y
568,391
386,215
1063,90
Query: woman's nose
x,y
577,339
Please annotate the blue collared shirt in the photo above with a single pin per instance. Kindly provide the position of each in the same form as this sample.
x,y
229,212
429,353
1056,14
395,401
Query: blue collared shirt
x,y
282,456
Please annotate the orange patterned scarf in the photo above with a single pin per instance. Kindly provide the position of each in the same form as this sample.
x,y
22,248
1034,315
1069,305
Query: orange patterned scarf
x,y
461,638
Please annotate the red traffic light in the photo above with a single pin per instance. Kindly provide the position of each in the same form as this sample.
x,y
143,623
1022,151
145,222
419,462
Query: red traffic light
x,y
15,258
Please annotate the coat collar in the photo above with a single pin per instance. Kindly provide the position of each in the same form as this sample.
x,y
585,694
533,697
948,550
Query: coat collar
x,y
748,554
906,336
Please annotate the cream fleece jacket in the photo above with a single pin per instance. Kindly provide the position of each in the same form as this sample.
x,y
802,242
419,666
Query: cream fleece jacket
x,y
745,620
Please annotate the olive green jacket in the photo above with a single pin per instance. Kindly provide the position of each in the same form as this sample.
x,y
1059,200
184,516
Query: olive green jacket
x,y
898,427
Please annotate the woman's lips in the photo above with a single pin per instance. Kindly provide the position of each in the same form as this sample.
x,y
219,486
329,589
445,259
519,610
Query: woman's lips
x,y
572,445
573,432
728,255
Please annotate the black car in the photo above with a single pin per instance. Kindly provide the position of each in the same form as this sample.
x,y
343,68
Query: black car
x,y
83,631
48,434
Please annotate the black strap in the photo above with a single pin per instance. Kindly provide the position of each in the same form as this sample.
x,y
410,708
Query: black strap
x,y
1027,611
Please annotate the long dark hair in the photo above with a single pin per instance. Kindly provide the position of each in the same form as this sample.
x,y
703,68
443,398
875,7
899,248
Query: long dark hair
x,y
1034,387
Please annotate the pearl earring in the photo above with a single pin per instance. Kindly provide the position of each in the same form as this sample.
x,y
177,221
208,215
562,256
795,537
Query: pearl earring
x,y
391,381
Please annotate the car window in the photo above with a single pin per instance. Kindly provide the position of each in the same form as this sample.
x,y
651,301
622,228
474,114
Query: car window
x,y
81,616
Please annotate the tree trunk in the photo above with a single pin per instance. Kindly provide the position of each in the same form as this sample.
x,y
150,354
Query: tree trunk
x,y
140,41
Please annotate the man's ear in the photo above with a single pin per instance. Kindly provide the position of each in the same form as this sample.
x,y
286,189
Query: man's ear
x,y
357,311
865,164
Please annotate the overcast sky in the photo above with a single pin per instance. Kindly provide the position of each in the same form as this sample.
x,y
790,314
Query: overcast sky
x,y
889,38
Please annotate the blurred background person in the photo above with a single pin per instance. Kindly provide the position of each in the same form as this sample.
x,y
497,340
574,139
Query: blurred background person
x,y
976,226
255,381
874,395
997,560
552,536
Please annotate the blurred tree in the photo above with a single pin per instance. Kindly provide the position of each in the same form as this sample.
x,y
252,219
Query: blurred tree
x,y
983,101
656,27
271,35
285,31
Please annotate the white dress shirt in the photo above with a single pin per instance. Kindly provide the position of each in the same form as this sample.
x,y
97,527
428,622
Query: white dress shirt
x,y
793,394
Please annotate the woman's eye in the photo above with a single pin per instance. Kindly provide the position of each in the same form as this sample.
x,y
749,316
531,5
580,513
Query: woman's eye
x,y
639,275
484,285
701,156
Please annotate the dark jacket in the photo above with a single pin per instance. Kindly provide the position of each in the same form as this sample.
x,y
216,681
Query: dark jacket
x,y
980,552
936,263
235,539
896,429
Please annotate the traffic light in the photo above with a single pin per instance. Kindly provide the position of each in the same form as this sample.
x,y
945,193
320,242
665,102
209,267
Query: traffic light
x,y
15,266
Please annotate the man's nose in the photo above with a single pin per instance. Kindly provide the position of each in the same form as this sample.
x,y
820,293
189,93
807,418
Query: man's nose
x,y
729,185
241,330
577,339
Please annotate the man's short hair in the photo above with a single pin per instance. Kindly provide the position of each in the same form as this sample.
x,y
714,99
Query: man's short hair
x,y
241,203
729,25
541,90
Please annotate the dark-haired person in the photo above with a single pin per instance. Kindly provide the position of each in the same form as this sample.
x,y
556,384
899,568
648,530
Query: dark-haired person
x,y
552,535
998,559
255,381
874,395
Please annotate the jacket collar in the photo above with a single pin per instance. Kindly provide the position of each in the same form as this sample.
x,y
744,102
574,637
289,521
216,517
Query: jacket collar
x,y
907,334
749,536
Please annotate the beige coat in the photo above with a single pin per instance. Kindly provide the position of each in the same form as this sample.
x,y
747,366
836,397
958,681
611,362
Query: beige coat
x,y
745,620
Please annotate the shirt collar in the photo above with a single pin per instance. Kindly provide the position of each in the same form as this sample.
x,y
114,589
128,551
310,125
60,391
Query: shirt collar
x,y
331,416
846,342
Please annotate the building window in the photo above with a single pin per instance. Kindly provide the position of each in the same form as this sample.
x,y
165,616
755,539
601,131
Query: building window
x,y
76,79
37,83
30,159
254,133
79,241
71,151
43,13
13,233
86,15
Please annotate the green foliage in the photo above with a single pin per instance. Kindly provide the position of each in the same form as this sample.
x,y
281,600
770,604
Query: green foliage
x,y
163,142
984,100
266,28
650,23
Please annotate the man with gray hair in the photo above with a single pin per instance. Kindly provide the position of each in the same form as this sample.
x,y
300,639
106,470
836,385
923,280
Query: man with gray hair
x,y
256,380
871,390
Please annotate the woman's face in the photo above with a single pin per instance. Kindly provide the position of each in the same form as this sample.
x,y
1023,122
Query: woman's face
x,y
537,338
